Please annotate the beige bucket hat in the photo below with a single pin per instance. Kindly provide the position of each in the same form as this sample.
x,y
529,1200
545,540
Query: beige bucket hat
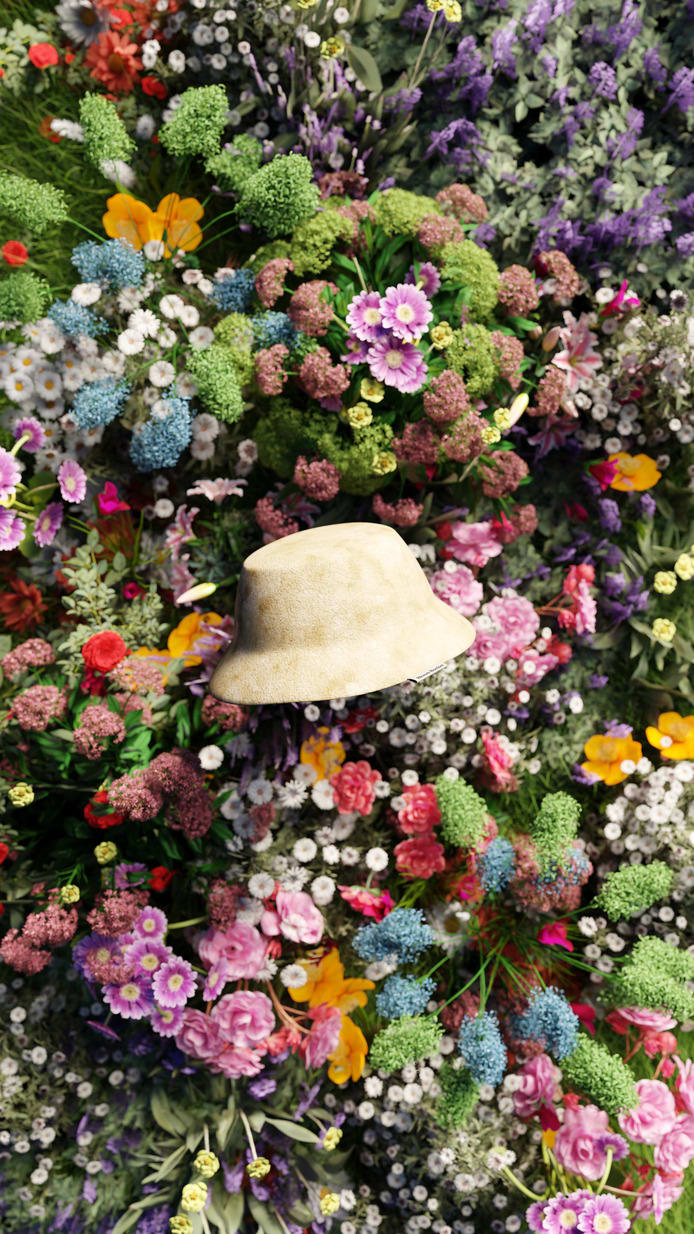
x,y
333,612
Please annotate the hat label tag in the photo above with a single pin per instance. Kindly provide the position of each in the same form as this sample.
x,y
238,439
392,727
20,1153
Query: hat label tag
x,y
429,672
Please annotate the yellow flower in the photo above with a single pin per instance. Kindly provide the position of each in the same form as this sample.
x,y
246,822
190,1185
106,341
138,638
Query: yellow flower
x,y
105,852
490,435
180,1225
517,407
452,10
331,1139
441,336
324,756
69,894
673,735
663,629
326,983
384,462
206,1163
329,1202
174,221
665,582
181,641
21,794
635,472
193,1197
434,6
502,418
605,756
684,567
258,1168
332,47
359,416
347,1061
372,390
549,1136
199,592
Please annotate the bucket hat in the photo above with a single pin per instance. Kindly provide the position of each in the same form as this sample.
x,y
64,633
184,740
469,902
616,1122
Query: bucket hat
x,y
331,613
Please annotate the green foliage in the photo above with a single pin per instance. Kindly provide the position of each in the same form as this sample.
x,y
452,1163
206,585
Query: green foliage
x,y
632,889
23,297
600,1075
280,196
217,380
105,136
30,204
459,1096
284,431
312,243
463,813
232,168
654,976
400,212
472,354
197,125
235,332
555,826
464,262
405,1041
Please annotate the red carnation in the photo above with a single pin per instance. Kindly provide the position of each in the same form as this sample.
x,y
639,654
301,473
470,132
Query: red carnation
x,y
104,651
14,253
419,812
43,55
160,878
419,857
154,87
4,850
101,821
353,787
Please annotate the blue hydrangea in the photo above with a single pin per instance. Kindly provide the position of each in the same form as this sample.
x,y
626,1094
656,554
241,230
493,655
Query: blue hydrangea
x,y
403,934
483,1049
404,996
161,441
97,403
74,319
116,264
497,864
549,1020
235,292
270,328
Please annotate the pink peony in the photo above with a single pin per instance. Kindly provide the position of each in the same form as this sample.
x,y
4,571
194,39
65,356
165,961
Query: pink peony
x,y
653,1117
457,586
198,1035
324,1036
676,1149
474,543
296,917
234,1062
367,901
685,1084
540,1085
353,787
419,812
644,1017
419,857
241,945
245,1018
579,1145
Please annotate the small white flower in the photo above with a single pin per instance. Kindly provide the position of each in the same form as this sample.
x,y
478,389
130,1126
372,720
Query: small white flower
x,y
171,305
373,1086
130,342
322,889
376,859
261,885
211,757
331,855
154,250
305,849
202,450
305,774
201,337
145,321
176,61
161,373
166,337
293,976
145,127
130,297
259,791
205,427
291,795
366,1110
350,856
322,795
86,293
311,712
189,315
163,507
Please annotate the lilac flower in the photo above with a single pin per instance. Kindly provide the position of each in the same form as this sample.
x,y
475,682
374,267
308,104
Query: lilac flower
x,y
647,505
427,275
604,1214
12,530
608,513
72,480
502,42
10,473
146,955
682,90
364,316
562,1212
406,311
124,872
48,523
603,79
166,1021
34,429
131,999
151,923
397,364
174,983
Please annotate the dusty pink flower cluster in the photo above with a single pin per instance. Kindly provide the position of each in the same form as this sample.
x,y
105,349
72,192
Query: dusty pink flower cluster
x,y
319,479
503,475
511,355
229,716
460,201
551,389
136,674
323,380
463,441
310,308
269,368
97,725
272,521
435,230
418,444
27,952
269,282
115,912
33,653
518,290
446,398
34,709
555,265
172,782
223,902
403,513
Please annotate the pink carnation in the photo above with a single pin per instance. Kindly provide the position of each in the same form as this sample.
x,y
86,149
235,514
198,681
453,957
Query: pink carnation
x,y
199,1035
353,787
647,1019
241,945
295,917
420,857
245,1018
539,1086
580,1143
420,811
323,1037
474,543
653,1117
457,586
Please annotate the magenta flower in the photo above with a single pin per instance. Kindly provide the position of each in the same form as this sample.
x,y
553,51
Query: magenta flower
x,y
33,427
216,980
562,1212
109,501
554,935
174,982
48,523
397,364
166,1021
151,923
72,480
406,311
131,1000
604,1214
364,316
146,955
10,473
653,1117
427,275
12,530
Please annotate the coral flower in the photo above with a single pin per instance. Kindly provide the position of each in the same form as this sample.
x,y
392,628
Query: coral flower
x,y
174,221
113,62
606,755
673,735
635,473
327,985
347,1061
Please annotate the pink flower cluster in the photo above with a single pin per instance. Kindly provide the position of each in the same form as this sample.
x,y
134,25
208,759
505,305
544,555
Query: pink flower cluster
x,y
229,716
460,201
319,479
511,355
518,290
97,725
418,444
269,282
269,368
447,398
435,230
27,952
310,308
556,267
551,389
473,543
457,586
418,814
173,782
502,476
354,787
38,706
274,522
33,653
403,513
323,380
506,626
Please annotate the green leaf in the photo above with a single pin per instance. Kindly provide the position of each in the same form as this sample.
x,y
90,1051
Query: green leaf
x,y
295,1131
267,1222
167,1166
365,67
165,1114
133,1214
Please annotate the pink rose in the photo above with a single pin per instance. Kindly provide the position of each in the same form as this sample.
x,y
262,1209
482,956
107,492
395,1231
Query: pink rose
x,y
245,1018
198,1035
298,918
653,1117
419,812
371,903
353,787
676,1149
578,1146
474,543
235,1062
241,945
457,586
685,1083
643,1017
323,1037
539,1085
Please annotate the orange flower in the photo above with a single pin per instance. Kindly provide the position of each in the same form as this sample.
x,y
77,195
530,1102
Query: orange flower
x,y
182,640
113,62
605,756
177,218
326,984
673,736
174,221
129,219
347,1061
635,472
324,756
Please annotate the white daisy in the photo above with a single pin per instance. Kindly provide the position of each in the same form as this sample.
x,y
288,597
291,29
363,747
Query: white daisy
x,y
161,373
185,386
322,889
261,886
189,315
130,341
166,337
130,298
201,450
205,427
18,387
171,305
305,849
154,250
47,383
322,795
86,293
145,321
291,795
259,791
200,337
211,757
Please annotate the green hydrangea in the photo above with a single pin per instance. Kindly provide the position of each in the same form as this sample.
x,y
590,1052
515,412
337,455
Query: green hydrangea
x,y
217,381
405,1041
266,253
105,136
632,889
464,262
235,332
400,212
280,196
232,168
285,431
463,813
472,354
555,826
654,976
197,125
312,243
600,1075
458,1098
30,204
23,297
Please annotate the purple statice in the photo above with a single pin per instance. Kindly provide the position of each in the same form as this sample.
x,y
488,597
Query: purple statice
x,y
405,311
647,505
459,143
597,680
402,102
364,316
261,1088
613,585
174,983
602,187
32,429
468,76
48,523
623,146
397,364
603,80
685,208
685,244
536,19
502,44
654,67
681,90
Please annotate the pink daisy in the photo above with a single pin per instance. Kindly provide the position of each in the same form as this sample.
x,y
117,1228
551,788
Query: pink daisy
x,y
406,311
29,425
217,978
397,364
426,274
131,1000
48,523
604,1214
10,473
364,316
146,955
174,983
166,1021
12,530
72,480
151,923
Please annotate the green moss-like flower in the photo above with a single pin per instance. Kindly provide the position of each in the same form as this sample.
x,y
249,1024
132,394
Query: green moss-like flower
x,y
472,354
600,1075
30,204
400,212
105,136
654,976
217,381
463,813
280,196
23,297
235,332
266,253
197,125
633,889
466,263
312,243
459,1096
405,1041
232,168
555,826
284,431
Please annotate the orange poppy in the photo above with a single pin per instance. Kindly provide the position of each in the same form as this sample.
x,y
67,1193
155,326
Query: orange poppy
x,y
673,735
347,1061
605,756
326,983
635,472
174,221
181,641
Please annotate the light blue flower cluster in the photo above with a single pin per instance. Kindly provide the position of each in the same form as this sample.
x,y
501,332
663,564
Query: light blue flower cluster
x,y
483,1049
404,996
75,319
496,865
403,934
549,1020
163,438
233,294
115,263
271,328
97,403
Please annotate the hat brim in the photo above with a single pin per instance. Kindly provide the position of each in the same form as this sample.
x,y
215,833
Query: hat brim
x,y
355,666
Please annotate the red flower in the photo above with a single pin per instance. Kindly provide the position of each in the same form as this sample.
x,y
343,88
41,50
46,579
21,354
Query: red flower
x,y
43,55
132,590
113,62
353,787
561,650
358,719
4,850
160,878
104,651
576,512
153,86
604,473
98,820
444,531
109,502
371,903
554,935
419,857
586,1015
419,812
22,606
577,574
14,253
46,131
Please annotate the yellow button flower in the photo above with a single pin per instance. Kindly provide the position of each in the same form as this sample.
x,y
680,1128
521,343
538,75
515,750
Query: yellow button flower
x,y
359,416
673,735
635,472
206,1163
180,1224
684,567
329,1202
665,582
490,435
605,756
663,629
441,336
105,852
258,1168
452,10
21,794
331,1139
193,1197
371,390
331,47
384,463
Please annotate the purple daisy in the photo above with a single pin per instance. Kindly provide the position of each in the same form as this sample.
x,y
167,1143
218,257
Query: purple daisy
x,y
406,311
364,316
12,530
89,944
174,983
10,473
146,955
535,1214
166,1020
604,1214
130,874
151,923
32,429
72,480
356,352
427,276
398,364
131,1000
48,523
216,980
562,1213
